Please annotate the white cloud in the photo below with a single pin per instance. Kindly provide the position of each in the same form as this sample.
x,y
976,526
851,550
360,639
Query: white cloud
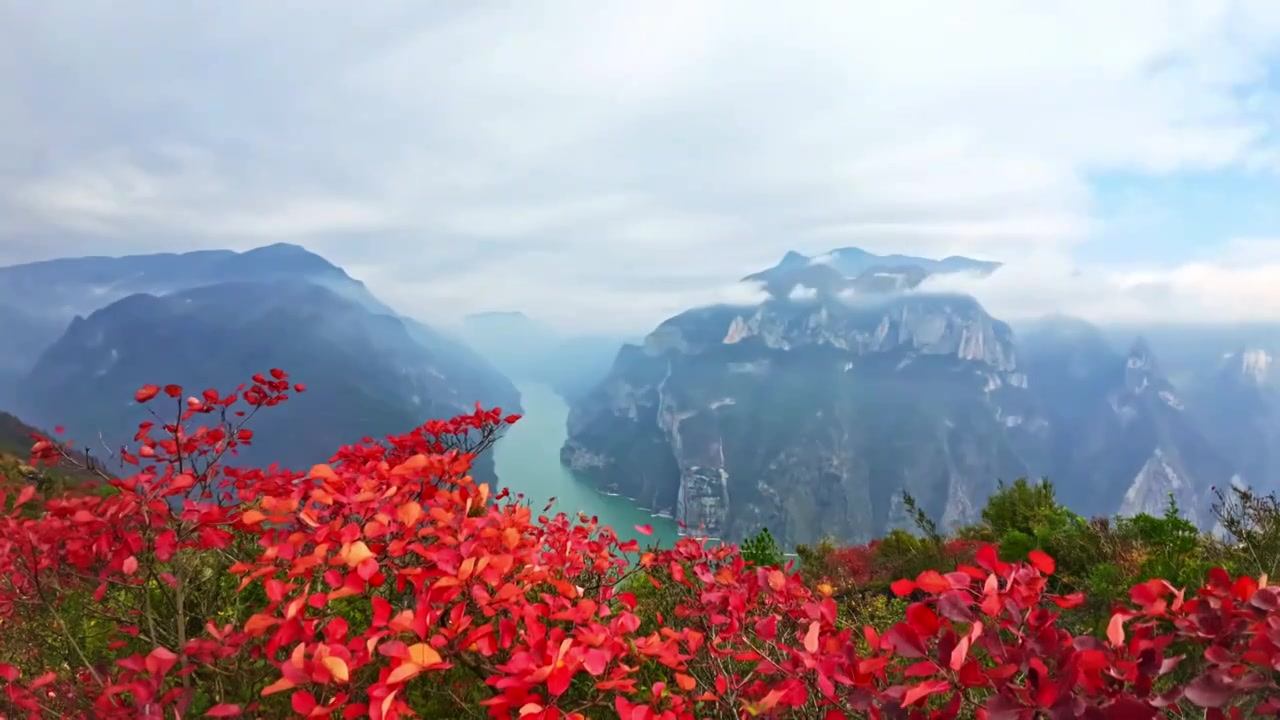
x,y
802,293
1225,291
606,162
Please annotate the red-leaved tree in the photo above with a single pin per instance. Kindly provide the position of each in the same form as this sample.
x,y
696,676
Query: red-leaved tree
x,y
387,583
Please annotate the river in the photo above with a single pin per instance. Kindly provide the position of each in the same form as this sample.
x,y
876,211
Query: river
x,y
528,461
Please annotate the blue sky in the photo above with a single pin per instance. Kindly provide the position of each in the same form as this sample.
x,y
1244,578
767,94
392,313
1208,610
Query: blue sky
x,y
1181,217
611,164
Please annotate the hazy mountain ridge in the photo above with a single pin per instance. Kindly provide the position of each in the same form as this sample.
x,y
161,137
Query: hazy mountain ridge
x,y
526,349
369,371
810,413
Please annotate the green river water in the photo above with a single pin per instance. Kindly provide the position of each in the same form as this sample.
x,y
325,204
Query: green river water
x,y
528,461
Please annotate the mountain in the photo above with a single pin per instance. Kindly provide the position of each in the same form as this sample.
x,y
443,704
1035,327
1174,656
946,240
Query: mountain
x,y
93,329
1122,438
809,416
367,373
39,299
811,413
1239,408
526,349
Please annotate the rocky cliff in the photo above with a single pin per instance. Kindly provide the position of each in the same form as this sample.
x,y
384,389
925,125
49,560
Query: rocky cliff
x,y
1239,408
1122,440
813,412
810,416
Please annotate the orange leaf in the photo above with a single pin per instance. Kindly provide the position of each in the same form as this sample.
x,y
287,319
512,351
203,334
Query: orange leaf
x,y
423,654
409,513
252,517
258,624
686,682
278,686
356,553
777,580
467,568
1115,629
337,667
322,471
405,671
811,637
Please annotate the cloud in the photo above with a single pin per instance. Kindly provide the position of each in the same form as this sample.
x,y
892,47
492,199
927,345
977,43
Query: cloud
x,y
604,163
802,293
1228,290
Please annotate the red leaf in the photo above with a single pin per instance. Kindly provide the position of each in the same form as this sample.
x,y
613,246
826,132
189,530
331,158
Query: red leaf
x,y
644,529
1209,690
1003,707
905,641
1042,562
160,661
24,495
223,710
903,587
303,702
987,559
173,391
1067,602
932,582
916,693
145,393
922,619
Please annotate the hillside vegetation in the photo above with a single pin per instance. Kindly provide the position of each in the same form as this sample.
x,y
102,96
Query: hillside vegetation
x,y
388,583
74,470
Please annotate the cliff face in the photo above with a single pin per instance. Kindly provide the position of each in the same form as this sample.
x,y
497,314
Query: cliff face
x,y
812,413
1239,406
810,418
1122,440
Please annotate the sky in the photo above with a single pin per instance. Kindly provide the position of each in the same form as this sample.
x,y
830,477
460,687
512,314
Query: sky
x,y
605,165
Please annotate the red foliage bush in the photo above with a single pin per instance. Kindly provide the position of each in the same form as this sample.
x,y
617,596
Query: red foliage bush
x,y
389,569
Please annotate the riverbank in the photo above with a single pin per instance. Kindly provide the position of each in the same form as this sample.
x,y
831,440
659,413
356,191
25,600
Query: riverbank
x,y
527,459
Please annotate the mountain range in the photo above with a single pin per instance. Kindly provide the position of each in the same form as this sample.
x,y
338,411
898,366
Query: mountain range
x,y
96,329
526,349
812,413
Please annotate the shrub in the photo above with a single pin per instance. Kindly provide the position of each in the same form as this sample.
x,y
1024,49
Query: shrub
x,y
388,583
